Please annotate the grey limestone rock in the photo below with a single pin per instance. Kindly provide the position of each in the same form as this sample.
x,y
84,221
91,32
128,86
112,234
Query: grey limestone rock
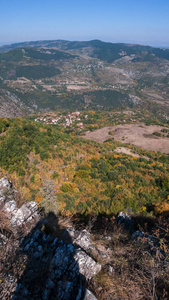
x,y
89,295
62,268
5,186
87,266
83,240
5,183
25,214
28,213
10,207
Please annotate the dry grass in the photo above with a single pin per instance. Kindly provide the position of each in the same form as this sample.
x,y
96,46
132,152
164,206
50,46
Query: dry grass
x,y
135,275
140,136
131,273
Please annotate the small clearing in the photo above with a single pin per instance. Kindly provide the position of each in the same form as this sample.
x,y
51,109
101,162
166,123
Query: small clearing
x,y
139,135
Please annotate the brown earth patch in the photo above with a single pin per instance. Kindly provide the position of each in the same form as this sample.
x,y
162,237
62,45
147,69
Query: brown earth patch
x,y
139,135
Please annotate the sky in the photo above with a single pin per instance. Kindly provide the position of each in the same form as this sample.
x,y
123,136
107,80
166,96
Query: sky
x,y
128,21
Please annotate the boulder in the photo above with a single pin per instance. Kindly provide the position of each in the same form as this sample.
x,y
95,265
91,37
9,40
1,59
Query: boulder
x,y
81,238
87,266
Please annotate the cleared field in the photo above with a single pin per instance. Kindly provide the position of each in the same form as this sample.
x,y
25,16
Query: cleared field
x,y
138,135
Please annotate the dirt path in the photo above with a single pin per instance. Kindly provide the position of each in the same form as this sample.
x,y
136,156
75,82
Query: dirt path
x,y
129,152
137,134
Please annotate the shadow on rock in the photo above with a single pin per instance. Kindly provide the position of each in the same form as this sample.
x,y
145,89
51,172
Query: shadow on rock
x,y
51,268
41,258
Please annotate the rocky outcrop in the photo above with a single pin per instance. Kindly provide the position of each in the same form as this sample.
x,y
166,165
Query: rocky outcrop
x,y
82,239
18,217
4,185
11,106
125,221
154,245
42,265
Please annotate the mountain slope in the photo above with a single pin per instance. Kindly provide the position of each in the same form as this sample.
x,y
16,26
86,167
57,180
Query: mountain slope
x,y
102,50
50,75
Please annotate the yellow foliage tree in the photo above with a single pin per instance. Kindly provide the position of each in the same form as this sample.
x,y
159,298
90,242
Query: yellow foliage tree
x,y
159,209
38,198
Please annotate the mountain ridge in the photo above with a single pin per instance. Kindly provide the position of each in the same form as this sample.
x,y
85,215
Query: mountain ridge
x,y
68,45
52,75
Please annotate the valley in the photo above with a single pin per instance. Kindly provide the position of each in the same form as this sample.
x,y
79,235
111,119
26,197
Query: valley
x,y
45,76
84,170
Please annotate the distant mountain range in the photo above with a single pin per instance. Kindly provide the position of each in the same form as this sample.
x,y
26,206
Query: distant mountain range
x,y
59,74
102,50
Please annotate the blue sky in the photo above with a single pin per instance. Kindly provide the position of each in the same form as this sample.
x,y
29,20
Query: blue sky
x,y
133,21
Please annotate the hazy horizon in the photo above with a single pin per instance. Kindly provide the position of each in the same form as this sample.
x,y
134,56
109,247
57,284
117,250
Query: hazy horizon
x,y
139,22
152,44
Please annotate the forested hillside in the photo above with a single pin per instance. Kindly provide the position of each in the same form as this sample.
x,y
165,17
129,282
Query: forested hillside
x,y
80,186
82,176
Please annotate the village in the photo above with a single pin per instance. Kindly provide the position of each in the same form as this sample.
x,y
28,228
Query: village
x,y
69,120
